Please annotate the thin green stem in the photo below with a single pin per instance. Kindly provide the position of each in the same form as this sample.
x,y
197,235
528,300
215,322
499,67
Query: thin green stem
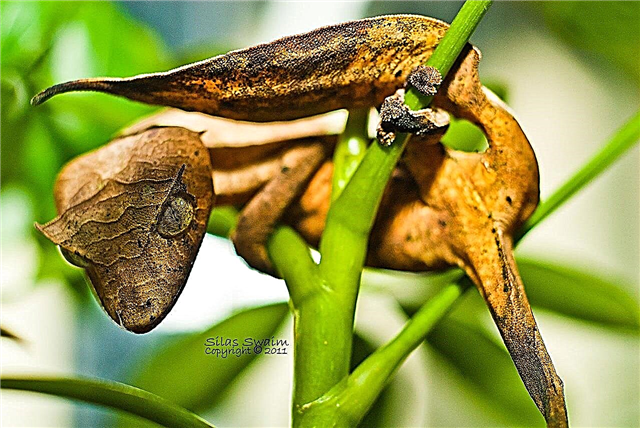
x,y
625,138
222,221
291,255
353,213
350,149
343,247
112,394
354,395
351,216
446,54
352,399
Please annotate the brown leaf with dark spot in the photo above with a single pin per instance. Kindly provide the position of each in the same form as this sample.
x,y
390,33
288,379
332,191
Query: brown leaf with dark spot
x,y
133,214
442,207
247,155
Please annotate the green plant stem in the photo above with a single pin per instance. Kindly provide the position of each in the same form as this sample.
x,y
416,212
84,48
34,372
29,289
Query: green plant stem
x,y
351,216
349,401
324,319
368,380
222,221
350,149
446,54
316,367
112,394
291,255
625,138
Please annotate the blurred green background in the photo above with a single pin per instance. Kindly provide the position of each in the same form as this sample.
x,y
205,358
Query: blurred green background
x,y
569,70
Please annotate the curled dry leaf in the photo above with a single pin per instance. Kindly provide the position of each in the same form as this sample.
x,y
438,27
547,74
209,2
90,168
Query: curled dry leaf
x,y
247,155
133,214
351,65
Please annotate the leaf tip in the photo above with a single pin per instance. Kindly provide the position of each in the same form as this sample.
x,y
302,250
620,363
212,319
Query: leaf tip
x,y
75,85
44,95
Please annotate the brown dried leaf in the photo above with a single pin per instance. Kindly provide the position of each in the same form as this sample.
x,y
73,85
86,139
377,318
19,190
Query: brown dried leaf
x,y
350,65
442,208
133,214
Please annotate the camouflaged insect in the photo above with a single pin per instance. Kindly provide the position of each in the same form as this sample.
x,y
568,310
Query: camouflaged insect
x,y
443,208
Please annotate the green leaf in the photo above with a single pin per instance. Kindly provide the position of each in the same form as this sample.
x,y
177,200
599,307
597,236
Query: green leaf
x,y
606,33
361,350
410,289
100,40
487,368
182,373
41,162
111,394
579,294
565,290
44,43
27,28
624,138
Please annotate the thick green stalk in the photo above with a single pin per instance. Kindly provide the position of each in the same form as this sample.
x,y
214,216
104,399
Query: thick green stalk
x,y
353,213
291,255
112,394
351,216
323,318
322,330
324,322
351,398
314,368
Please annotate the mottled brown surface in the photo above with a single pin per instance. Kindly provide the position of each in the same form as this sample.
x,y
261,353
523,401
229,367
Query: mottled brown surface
x,y
133,214
350,65
396,116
